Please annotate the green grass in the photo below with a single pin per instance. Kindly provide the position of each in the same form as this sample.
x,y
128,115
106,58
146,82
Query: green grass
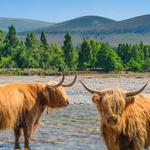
x,y
49,72
26,72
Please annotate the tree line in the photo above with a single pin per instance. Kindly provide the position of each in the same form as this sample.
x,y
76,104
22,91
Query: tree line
x,y
88,55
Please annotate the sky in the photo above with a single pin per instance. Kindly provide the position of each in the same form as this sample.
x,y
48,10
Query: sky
x,y
61,10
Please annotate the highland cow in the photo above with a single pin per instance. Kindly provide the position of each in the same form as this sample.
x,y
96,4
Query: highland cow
x,y
22,104
125,117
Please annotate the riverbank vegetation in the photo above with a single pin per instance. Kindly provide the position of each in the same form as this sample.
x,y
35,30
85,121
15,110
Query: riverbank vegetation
x,y
89,55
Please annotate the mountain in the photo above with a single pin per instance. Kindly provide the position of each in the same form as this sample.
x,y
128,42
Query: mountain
x,y
78,24
22,24
131,30
140,24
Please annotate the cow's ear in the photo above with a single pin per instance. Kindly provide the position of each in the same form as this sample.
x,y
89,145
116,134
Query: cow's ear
x,y
96,98
130,100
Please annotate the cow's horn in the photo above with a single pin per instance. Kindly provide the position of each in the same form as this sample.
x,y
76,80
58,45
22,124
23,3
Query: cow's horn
x,y
136,92
89,89
58,84
70,84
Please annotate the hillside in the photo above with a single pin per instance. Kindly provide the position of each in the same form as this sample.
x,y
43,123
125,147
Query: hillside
x,y
140,24
78,24
22,24
131,30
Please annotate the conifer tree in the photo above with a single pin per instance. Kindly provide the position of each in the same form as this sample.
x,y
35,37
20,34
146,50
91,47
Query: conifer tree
x,y
11,37
70,52
43,39
31,40
84,55
11,41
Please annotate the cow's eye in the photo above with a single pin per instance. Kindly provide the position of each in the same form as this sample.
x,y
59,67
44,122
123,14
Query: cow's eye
x,y
117,110
100,99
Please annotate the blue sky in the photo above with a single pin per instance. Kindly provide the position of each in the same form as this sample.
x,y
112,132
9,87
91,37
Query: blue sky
x,y
61,10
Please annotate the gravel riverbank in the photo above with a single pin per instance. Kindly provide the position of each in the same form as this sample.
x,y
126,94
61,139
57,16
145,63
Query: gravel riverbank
x,y
77,93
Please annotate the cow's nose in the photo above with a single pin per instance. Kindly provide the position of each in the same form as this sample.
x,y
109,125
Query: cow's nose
x,y
112,120
67,102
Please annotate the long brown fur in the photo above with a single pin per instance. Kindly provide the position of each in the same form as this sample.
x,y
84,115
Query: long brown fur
x,y
22,104
132,129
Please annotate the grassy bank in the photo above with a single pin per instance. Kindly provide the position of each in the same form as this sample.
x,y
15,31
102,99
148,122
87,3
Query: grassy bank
x,y
49,72
24,72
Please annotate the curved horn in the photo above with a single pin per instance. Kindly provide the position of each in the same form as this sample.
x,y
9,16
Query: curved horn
x,y
70,84
58,84
90,90
136,92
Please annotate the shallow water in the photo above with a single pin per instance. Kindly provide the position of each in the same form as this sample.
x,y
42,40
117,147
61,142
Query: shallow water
x,y
73,128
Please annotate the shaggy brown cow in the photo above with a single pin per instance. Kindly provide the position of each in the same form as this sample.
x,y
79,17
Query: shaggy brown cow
x,y
22,104
125,117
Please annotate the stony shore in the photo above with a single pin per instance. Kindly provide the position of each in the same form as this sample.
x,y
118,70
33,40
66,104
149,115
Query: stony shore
x,y
77,93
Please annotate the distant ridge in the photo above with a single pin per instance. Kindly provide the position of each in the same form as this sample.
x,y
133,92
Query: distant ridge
x,y
139,24
79,24
22,24
132,30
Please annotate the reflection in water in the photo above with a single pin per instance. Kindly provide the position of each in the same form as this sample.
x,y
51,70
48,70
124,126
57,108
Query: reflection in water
x,y
73,128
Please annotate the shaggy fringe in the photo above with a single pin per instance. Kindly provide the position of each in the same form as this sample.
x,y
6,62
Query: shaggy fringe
x,y
134,122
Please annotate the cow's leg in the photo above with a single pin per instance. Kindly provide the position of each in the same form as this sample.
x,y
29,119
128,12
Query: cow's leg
x,y
17,132
27,134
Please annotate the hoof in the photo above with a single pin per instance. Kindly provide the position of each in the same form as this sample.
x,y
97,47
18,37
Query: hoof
x,y
17,147
27,147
